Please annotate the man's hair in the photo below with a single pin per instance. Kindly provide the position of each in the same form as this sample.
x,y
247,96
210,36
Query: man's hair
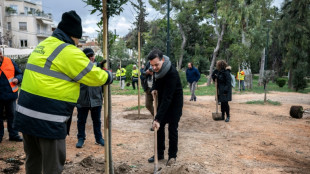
x,y
155,53
221,65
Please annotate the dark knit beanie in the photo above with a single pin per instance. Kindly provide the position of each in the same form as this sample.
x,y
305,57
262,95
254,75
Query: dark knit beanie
x,y
88,51
71,24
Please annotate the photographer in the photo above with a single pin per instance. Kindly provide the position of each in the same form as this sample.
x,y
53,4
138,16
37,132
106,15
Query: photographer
x,y
147,84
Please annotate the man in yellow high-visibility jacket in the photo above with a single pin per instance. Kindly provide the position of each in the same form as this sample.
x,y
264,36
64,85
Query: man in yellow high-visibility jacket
x,y
135,75
121,76
240,76
49,93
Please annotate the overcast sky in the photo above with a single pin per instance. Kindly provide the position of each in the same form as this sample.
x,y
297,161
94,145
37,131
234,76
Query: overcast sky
x,y
122,23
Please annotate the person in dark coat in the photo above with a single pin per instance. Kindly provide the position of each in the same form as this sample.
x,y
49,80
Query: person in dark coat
x,y
147,83
168,87
10,77
90,100
224,87
192,76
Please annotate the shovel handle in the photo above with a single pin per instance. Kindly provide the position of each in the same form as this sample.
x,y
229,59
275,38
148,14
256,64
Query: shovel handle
x,y
155,133
216,96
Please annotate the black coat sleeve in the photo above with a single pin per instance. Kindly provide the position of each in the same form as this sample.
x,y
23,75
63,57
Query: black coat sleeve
x,y
227,82
168,93
18,73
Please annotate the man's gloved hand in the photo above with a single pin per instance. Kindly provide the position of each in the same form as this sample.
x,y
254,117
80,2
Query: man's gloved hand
x,y
101,64
110,78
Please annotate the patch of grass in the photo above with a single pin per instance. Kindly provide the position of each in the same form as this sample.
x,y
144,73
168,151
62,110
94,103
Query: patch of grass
x,y
203,79
134,108
115,89
7,149
261,102
210,90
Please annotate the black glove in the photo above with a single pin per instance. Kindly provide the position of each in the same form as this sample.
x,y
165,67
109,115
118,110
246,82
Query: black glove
x,y
110,78
101,64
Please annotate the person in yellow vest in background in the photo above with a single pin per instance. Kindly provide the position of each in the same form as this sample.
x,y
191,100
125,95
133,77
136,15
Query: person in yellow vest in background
x,y
240,76
121,76
134,76
49,93
10,77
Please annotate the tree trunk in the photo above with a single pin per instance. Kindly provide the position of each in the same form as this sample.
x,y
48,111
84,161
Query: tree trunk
x,y
215,52
290,81
182,47
262,69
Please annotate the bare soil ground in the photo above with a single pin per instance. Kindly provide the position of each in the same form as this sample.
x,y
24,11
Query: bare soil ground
x,y
259,139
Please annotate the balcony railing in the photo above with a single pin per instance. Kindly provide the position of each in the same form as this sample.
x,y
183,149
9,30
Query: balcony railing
x,y
40,15
44,34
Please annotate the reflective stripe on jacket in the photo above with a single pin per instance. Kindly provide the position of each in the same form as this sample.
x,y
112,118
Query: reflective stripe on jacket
x,y
8,70
121,72
51,88
135,73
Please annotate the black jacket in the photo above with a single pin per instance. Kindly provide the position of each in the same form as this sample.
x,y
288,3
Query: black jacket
x,y
224,84
144,77
170,96
6,93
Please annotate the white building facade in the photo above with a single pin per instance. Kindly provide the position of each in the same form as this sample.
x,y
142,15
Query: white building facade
x,y
23,23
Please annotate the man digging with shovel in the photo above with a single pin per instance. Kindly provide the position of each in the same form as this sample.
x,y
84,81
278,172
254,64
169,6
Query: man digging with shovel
x,y
167,86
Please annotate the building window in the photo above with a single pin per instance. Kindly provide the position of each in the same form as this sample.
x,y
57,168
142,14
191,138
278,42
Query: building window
x,y
23,43
23,26
32,11
14,8
9,26
26,10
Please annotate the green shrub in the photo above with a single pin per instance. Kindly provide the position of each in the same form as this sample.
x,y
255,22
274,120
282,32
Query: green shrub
x,y
128,72
21,63
281,82
182,75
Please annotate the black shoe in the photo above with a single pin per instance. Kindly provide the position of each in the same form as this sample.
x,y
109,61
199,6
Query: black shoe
x,y
17,139
80,143
227,119
0,140
152,159
223,117
195,99
191,100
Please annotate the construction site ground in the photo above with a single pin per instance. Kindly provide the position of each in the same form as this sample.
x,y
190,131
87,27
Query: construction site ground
x,y
258,139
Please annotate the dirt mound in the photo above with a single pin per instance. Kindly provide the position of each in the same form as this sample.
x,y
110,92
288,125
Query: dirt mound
x,y
88,164
121,169
13,165
137,116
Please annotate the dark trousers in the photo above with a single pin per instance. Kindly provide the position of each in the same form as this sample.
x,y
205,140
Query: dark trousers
x,y
45,156
96,117
225,109
10,107
173,138
133,82
149,101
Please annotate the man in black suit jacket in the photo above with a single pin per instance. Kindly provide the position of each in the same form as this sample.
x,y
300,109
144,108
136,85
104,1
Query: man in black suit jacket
x,y
168,87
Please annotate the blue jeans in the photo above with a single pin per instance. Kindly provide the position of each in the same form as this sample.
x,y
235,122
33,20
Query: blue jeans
x,y
96,117
242,85
10,107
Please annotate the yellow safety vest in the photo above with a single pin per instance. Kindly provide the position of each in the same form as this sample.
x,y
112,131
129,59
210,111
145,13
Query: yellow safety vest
x,y
121,72
240,76
51,88
135,73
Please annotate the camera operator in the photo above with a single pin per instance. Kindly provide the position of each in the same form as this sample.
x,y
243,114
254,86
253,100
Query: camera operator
x,y
147,83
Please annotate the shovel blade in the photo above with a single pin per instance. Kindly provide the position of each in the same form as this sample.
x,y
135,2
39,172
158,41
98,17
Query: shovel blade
x,y
217,116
